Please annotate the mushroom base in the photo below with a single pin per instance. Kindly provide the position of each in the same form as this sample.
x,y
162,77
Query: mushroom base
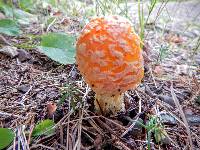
x,y
109,104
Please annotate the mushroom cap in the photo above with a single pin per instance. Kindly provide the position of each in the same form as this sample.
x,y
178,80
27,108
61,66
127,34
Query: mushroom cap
x,y
109,56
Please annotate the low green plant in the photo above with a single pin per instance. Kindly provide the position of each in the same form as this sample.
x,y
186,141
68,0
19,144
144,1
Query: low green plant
x,y
151,7
105,7
154,126
197,46
163,52
18,15
45,127
142,20
70,92
26,5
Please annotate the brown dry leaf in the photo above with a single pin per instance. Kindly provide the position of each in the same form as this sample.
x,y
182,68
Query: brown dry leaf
x,y
158,70
146,53
174,38
58,13
98,141
51,108
65,21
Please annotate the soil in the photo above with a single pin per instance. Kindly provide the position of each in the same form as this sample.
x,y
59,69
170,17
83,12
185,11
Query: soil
x,y
171,84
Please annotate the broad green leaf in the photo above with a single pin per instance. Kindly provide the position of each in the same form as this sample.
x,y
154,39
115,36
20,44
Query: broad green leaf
x,y
59,47
6,137
44,128
9,27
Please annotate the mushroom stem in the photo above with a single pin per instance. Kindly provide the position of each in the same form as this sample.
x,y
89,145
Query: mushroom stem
x,y
109,103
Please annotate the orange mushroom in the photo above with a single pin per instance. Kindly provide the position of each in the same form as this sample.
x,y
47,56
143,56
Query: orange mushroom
x,y
109,57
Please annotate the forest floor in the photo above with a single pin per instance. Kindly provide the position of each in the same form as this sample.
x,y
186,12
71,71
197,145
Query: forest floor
x,y
32,85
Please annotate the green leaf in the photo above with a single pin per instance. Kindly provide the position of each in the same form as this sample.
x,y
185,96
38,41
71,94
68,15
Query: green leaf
x,y
59,47
6,137
21,16
160,135
9,27
6,9
44,128
26,5
52,2
197,99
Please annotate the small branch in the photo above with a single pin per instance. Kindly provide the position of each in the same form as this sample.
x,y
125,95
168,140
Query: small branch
x,y
24,96
176,101
51,24
140,102
153,78
5,41
41,145
11,115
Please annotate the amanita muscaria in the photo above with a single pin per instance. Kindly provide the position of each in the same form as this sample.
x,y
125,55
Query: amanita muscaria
x,y
109,57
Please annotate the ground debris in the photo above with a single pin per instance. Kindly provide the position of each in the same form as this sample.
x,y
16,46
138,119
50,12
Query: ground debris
x,y
23,88
10,51
34,88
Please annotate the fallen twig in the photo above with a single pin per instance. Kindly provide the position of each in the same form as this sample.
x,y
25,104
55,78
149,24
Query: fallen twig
x,y
176,101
